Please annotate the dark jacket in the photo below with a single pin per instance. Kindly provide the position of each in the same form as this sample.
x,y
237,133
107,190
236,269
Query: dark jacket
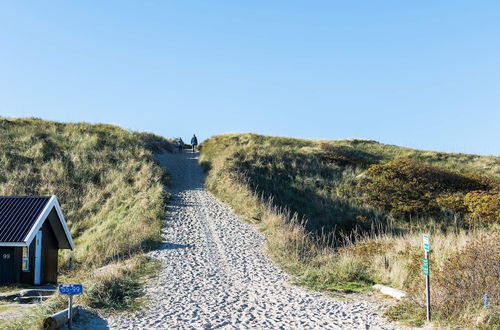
x,y
194,141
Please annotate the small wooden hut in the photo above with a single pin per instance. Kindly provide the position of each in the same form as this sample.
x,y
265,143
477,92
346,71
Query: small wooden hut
x,y
32,230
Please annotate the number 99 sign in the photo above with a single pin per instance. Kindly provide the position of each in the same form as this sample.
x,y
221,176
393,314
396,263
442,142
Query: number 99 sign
x,y
70,289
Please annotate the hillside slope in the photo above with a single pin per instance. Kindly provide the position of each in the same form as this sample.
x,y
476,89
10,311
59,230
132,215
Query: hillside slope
x,y
342,215
110,189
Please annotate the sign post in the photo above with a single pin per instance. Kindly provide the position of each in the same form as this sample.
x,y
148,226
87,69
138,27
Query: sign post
x,y
70,290
425,269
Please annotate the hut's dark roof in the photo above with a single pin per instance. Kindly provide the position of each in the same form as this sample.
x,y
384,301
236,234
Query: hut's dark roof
x,y
18,215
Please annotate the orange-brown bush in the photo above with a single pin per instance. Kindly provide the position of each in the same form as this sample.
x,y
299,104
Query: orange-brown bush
x,y
484,206
406,187
453,202
479,207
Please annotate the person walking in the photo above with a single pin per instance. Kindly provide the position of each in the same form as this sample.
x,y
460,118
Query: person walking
x,y
194,142
180,144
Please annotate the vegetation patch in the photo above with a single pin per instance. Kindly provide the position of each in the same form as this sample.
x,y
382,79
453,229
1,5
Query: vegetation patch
x,y
478,207
404,188
347,156
342,215
110,189
117,286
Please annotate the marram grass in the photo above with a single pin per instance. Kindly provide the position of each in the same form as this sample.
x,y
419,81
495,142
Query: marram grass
x,y
111,192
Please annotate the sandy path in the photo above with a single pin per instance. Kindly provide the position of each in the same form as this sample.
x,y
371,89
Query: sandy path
x,y
215,274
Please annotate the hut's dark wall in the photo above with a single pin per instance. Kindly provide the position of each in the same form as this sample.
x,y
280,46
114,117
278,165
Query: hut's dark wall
x,y
7,269
18,262
49,254
58,229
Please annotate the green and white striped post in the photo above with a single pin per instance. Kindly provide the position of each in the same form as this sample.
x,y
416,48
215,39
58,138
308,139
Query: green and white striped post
x,y
425,268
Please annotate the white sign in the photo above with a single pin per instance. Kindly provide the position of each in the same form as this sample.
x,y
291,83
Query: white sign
x,y
426,242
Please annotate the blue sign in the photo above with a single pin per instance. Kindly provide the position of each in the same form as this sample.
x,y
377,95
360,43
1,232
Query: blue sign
x,y
70,289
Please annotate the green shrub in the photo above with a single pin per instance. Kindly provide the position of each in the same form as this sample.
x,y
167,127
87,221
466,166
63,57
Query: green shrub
x,y
117,286
407,312
113,292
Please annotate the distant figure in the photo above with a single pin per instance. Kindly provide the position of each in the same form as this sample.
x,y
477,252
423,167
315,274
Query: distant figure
x,y
194,142
180,144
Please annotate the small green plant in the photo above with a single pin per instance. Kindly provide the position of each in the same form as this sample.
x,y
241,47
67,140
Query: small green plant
x,y
408,312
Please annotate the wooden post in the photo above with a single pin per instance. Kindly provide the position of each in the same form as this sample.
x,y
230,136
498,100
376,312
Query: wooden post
x,y
426,244
70,308
428,289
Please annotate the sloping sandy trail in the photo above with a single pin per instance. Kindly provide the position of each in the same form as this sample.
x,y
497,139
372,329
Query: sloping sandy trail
x,y
215,274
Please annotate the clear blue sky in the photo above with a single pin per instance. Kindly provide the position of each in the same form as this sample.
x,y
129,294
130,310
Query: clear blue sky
x,y
424,74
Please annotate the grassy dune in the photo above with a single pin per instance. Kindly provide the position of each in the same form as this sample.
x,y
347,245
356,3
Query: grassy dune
x,y
112,193
342,215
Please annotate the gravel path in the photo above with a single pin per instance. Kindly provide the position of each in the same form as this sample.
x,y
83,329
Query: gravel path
x,y
215,274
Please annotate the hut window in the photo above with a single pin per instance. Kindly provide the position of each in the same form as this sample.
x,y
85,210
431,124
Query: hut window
x,y
26,259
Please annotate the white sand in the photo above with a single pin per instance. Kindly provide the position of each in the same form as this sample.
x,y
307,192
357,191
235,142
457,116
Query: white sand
x,y
215,274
